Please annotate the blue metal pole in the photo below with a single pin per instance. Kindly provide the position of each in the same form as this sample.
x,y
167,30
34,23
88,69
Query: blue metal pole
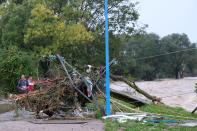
x,y
108,108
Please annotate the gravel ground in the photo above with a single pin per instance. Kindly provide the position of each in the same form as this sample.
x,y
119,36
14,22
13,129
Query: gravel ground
x,y
175,93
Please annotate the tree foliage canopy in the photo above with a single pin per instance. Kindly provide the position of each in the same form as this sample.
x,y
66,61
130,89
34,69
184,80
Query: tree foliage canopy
x,y
30,29
13,64
155,57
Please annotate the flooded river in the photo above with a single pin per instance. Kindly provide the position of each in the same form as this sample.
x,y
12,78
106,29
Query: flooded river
x,y
175,93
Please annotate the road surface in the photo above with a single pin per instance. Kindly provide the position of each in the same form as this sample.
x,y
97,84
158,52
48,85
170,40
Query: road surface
x,y
94,125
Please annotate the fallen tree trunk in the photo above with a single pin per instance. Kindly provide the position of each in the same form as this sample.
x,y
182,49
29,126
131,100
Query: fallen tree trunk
x,y
135,87
194,110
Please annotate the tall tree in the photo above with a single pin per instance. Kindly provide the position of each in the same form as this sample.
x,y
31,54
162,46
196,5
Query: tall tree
x,y
138,48
13,24
123,14
177,62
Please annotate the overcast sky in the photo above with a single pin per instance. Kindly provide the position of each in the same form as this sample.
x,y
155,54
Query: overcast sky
x,y
169,16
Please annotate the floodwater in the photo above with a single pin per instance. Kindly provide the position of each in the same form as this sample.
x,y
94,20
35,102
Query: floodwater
x,y
5,107
174,93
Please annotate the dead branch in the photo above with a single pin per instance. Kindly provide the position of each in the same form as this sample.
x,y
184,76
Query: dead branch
x,y
135,87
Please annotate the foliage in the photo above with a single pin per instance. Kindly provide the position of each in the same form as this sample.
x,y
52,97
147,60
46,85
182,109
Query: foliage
x,y
45,29
40,27
13,64
76,30
51,26
177,62
146,56
13,24
137,47
123,14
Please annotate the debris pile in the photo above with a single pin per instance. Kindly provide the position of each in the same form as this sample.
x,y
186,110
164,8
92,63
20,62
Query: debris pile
x,y
68,92
53,95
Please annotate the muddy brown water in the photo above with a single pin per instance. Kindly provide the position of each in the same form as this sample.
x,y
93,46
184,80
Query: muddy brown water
x,y
6,107
174,93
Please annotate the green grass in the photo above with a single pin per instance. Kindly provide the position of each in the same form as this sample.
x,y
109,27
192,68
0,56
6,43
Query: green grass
x,y
168,112
176,113
139,126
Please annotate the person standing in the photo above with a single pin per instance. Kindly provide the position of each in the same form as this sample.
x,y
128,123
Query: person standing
x,y
30,84
22,85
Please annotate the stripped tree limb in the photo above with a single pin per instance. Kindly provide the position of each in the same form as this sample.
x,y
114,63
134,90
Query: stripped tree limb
x,y
135,87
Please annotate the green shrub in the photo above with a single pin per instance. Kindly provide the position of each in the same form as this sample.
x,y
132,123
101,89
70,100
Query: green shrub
x,y
14,63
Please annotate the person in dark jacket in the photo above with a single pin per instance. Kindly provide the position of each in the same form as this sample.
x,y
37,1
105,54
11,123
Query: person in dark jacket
x,y
22,85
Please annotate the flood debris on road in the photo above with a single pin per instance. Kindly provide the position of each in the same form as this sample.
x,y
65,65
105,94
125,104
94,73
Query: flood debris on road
x,y
67,93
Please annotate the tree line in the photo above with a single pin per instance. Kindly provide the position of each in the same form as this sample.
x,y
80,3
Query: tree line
x,y
150,57
31,29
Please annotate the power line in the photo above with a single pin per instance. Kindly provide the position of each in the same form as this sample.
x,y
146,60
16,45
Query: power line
x,y
174,52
